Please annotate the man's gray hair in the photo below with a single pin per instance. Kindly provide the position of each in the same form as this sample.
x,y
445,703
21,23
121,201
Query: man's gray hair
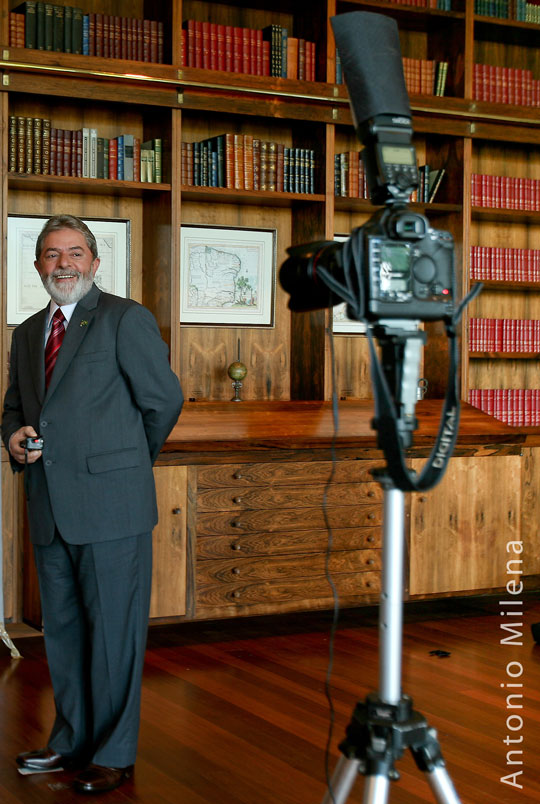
x,y
58,222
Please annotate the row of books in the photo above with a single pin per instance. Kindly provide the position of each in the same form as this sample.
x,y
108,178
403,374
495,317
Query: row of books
x,y
422,76
505,85
425,76
350,179
38,148
511,335
517,407
441,5
67,29
505,264
519,10
505,192
251,51
244,162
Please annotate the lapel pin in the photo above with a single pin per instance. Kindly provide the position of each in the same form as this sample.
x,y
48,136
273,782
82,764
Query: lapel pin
x,y
83,323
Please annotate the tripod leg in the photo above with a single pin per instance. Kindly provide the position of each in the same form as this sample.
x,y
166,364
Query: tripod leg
x,y
443,789
345,775
376,789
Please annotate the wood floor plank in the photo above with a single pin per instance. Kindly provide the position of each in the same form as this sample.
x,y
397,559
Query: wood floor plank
x,y
236,713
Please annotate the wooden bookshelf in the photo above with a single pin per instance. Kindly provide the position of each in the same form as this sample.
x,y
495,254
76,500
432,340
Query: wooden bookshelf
x,y
291,360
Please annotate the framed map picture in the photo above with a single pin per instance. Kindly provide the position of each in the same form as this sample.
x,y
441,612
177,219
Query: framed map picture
x,y
227,276
25,292
341,323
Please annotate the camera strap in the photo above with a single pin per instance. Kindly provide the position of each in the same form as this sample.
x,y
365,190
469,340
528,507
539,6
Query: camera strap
x,y
386,421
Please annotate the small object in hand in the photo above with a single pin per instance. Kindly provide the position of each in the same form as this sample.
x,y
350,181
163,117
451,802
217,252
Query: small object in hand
x,y
33,442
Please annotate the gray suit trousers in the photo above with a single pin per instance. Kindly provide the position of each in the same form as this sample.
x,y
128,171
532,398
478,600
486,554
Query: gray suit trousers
x,y
95,602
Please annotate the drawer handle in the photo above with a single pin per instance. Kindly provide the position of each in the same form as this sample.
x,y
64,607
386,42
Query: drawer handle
x,y
236,594
177,511
371,516
369,562
238,475
236,523
236,546
369,539
235,570
237,500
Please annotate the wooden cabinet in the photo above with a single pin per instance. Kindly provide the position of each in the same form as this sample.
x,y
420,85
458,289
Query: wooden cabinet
x,y
262,540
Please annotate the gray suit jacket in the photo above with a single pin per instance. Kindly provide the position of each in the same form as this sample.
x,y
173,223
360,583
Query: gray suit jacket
x,y
112,401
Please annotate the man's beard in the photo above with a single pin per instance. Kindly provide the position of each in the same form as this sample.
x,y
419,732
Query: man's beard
x,y
67,295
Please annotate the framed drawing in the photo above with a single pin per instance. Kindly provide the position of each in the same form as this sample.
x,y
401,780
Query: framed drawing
x,y
227,276
341,323
25,293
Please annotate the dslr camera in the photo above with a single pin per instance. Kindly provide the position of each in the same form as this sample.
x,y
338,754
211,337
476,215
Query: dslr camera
x,y
395,266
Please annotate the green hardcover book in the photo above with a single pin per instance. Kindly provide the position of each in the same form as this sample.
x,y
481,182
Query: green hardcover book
x,y
58,29
40,25
48,26
68,28
77,31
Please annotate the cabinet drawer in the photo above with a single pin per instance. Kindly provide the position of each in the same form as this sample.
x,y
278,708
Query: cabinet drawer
x,y
271,521
288,542
276,595
284,474
230,499
285,567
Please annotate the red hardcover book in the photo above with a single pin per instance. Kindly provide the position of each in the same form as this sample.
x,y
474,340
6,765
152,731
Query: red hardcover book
x,y
266,57
106,36
205,45
229,48
213,46
189,26
237,49
160,41
198,43
220,47
139,28
116,37
113,159
185,37
53,170
136,159
246,52
252,51
66,166
292,57
99,34
154,41
259,69
301,59
123,37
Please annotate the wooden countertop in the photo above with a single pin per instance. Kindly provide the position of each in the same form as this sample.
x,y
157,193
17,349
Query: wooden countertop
x,y
206,427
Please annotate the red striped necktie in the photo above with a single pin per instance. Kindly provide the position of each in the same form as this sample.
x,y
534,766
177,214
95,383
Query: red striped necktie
x,y
54,343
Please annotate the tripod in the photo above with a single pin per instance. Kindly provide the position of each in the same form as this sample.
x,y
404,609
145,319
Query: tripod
x,y
386,724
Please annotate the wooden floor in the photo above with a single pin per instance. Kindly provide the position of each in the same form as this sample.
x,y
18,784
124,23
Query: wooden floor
x,y
236,712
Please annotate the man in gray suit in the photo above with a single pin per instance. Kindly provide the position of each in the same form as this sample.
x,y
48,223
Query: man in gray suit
x,y
95,382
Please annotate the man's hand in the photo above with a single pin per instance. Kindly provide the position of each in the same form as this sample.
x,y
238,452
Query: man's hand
x,y
17,445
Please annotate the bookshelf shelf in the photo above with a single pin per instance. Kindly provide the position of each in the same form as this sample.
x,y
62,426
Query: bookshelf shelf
x,y
257,197
69,184
504,355
505,215
491,284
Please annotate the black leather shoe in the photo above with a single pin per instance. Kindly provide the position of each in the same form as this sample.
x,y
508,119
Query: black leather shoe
x,y
44,759
99,779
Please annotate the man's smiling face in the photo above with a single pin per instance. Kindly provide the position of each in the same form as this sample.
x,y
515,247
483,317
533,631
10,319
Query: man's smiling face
x,y
66,266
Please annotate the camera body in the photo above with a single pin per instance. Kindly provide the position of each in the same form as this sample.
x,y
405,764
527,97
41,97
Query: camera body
x,y
408,267
33,443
